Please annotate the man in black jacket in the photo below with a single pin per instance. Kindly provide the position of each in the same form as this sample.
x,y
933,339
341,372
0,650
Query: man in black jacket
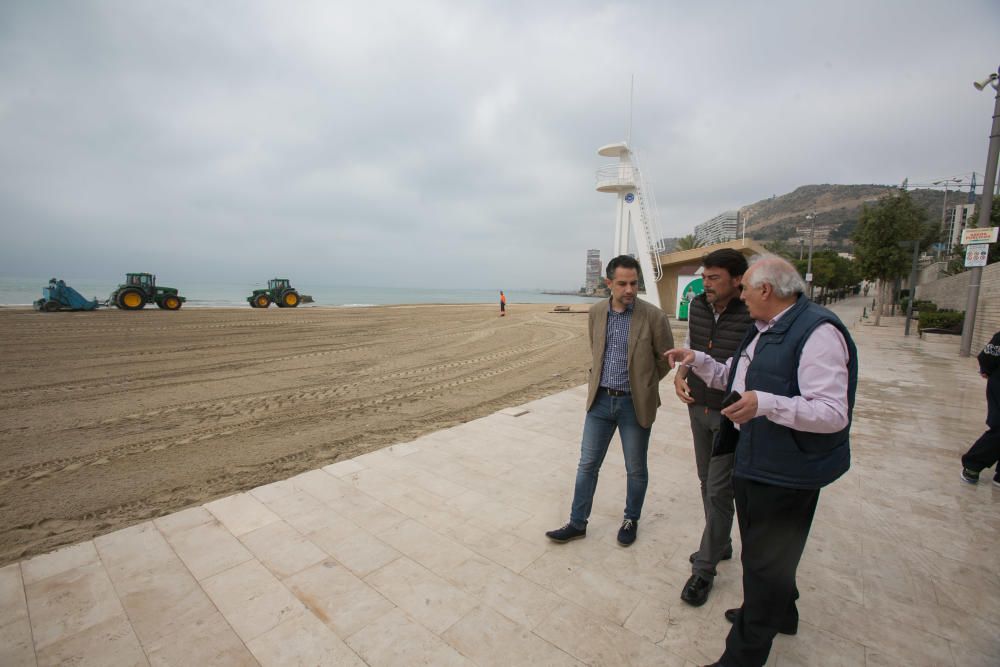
x,y
986,451
717,322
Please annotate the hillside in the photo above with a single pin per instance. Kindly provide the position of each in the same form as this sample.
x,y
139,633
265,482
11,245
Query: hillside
x,y
837,209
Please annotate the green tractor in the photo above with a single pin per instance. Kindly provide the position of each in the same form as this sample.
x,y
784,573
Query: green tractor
x,y
279,291
140,289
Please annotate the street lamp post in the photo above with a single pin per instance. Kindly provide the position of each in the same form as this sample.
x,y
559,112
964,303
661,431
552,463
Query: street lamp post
x,y
913,283
985,211
809,265
944,210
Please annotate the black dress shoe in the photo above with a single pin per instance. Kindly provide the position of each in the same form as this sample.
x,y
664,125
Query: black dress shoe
x,y
628,531
725,556
566,533
731,615
696,590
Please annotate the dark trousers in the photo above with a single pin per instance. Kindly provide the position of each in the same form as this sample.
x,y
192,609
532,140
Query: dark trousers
x,y
986,451
716,476
774,524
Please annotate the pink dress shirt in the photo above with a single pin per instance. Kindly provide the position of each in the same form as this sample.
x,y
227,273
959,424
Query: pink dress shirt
x,y
822,375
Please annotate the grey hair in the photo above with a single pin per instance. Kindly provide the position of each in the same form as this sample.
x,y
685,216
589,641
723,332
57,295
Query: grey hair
x,y
776,272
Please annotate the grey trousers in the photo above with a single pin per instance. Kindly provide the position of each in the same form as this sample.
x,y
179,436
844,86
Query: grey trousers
x,y
716,477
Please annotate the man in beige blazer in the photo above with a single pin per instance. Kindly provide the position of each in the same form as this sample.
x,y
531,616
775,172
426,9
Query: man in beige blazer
x,y
627,340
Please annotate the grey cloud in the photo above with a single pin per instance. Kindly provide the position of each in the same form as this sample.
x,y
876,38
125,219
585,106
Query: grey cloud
x,y
449,142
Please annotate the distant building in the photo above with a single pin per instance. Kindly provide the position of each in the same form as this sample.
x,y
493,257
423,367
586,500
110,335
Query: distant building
x,y
723,227
820,235
954,222
593,282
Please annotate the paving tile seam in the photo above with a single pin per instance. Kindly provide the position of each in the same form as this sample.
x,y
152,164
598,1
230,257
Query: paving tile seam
x,y
194,578
85,628
309,610
27,611
307,607
118,595
478,599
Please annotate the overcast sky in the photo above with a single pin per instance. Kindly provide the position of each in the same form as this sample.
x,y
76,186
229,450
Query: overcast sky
x,y
447,144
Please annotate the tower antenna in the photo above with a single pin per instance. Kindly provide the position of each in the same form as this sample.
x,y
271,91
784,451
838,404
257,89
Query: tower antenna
x,y
628,133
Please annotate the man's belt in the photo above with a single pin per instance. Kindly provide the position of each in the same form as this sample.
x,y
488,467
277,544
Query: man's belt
x,y
615,392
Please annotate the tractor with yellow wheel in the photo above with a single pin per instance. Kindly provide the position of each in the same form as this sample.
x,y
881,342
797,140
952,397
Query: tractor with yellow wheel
x,y
140,289
279,291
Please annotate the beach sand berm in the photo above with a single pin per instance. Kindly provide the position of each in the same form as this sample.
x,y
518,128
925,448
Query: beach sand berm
x,y
110,418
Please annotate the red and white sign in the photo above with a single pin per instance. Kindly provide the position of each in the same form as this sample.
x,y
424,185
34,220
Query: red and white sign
x,y
979,235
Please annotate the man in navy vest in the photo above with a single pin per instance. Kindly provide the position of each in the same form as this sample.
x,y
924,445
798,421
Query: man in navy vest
x,y
796,372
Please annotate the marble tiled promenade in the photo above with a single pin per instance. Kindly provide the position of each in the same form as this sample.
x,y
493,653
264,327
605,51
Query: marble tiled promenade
x,y
432,552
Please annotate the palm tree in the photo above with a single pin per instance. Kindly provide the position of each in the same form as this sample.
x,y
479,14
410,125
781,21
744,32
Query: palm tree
x,y
687,243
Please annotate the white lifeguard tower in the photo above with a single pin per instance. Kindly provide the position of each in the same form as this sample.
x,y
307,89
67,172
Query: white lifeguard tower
x,y
636,212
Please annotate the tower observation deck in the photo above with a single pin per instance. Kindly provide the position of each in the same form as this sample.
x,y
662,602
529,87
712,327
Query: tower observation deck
x,y
636,213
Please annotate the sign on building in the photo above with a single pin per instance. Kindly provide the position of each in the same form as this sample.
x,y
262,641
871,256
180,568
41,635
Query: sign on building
x,y
979,235
688,287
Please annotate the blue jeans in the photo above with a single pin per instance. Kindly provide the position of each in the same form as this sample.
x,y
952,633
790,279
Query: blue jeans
x,y
607,414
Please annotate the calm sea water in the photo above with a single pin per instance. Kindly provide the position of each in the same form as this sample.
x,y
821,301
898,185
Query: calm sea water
x,y
23,291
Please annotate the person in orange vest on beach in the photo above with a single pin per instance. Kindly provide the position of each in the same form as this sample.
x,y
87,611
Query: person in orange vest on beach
x,y
503,304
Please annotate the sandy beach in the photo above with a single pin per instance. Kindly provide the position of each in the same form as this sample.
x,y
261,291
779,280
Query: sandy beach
x,y
110,418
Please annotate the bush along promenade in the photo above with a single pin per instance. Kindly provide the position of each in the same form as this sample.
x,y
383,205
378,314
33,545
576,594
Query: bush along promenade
x,y
932,319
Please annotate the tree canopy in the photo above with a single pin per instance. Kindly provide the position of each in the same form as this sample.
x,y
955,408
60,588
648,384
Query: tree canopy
x,y
994,215
830,270
687,243
880,235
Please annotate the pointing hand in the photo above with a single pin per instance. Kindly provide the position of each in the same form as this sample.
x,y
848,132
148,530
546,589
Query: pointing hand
x,y
679,355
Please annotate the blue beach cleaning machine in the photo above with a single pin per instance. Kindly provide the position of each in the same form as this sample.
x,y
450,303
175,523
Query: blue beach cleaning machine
x,y
60,296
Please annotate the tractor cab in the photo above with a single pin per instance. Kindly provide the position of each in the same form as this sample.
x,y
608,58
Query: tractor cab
x,y
144,281
278,284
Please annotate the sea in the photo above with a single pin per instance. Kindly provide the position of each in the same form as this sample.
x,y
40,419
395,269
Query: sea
x,y
24,291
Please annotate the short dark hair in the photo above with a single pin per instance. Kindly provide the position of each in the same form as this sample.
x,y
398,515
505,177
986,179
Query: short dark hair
x,y
731,260
621,261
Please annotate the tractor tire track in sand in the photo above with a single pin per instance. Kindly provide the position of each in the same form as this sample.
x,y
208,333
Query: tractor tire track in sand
x,y
111,418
